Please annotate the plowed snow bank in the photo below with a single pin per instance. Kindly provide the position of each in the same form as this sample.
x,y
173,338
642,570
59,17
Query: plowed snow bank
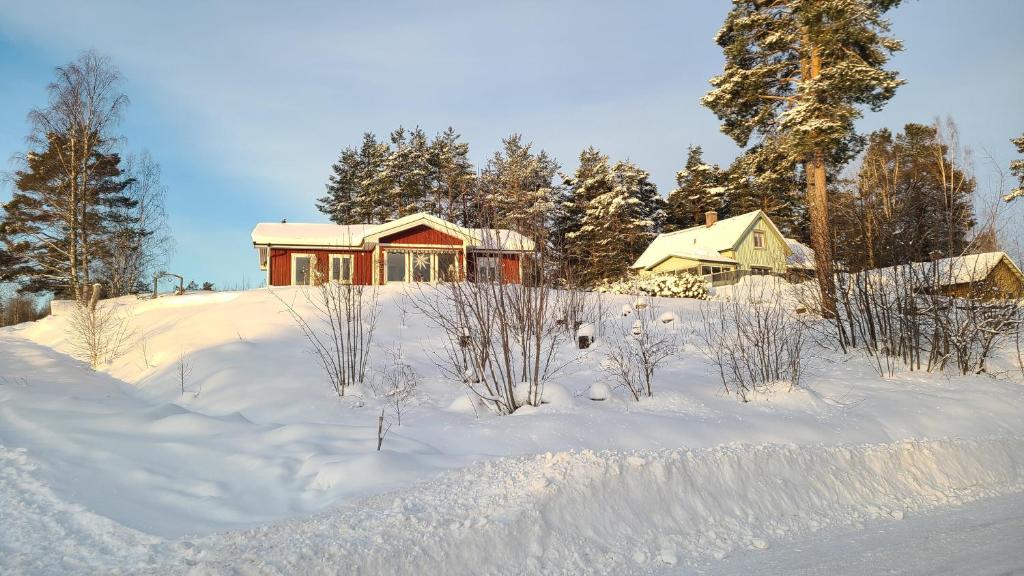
x,y
604,512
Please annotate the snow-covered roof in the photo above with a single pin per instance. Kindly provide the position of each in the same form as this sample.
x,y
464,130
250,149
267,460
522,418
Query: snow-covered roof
x,y
802,256
701,242
956,269
354,235
310,234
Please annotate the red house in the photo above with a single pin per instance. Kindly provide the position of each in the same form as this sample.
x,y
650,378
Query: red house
x,y
415,248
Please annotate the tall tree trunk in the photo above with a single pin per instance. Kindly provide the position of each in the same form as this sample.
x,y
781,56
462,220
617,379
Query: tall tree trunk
x,y
817,198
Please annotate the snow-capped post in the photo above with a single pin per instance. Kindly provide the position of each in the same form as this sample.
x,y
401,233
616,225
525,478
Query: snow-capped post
x,y
585,336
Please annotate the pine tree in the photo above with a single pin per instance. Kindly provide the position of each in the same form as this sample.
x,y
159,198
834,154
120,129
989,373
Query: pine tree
x,y
797,72
518,188
1017,169
699,188
453,179
62,235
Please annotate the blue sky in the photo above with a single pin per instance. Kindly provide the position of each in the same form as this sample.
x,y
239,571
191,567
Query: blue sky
x,y
245,105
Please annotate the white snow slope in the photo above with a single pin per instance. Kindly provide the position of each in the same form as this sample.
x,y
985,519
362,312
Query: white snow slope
x,y
259,468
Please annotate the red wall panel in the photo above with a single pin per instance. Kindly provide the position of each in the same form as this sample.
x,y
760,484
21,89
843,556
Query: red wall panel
x,y
281,264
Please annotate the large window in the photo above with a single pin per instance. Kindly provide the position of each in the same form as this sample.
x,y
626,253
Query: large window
x,y
396,266
447,267
758,239
487,268
422,267
341,268
301,264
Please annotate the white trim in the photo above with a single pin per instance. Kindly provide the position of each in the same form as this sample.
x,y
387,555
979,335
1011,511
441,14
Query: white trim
x,y
302,255
330,267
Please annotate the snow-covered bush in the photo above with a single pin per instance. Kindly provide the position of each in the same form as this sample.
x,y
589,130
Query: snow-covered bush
x,y
663,285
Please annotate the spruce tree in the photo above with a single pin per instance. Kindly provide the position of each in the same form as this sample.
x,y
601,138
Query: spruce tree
x,y
343,187
1017,169
763,179
797,72
619,221
373,203
700,187
593,178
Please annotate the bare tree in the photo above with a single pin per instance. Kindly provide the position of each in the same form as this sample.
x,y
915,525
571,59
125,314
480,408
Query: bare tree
x,y
339,327
183,369
141,243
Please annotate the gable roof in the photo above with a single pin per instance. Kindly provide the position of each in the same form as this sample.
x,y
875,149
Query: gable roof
x,y
955,270
355,235
703,242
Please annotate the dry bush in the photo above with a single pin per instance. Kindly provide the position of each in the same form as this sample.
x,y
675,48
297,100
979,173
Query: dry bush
x,y
97,333
926,316
754,339
642,344
339,329
396,383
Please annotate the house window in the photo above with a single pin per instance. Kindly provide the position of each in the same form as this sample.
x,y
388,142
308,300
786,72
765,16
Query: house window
x,y
447,267
487,268
301,268
396,266
341,268
760,271
759,239
705,270
422,267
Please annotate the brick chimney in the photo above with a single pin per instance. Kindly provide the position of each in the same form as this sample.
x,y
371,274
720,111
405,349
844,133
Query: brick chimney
x,y
710,217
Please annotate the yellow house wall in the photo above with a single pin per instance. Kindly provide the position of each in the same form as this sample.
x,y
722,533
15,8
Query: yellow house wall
x,y
773,255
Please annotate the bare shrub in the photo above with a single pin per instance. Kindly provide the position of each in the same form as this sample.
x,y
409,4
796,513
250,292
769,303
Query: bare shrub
x,y
397,382
754,339
183,369
97,333
925,316
339,328
642,344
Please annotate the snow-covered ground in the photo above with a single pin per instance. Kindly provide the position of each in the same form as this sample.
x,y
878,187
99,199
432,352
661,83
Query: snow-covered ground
x,y
260,466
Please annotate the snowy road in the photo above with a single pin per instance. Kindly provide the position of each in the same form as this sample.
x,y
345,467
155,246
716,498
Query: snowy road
x,y
979,538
